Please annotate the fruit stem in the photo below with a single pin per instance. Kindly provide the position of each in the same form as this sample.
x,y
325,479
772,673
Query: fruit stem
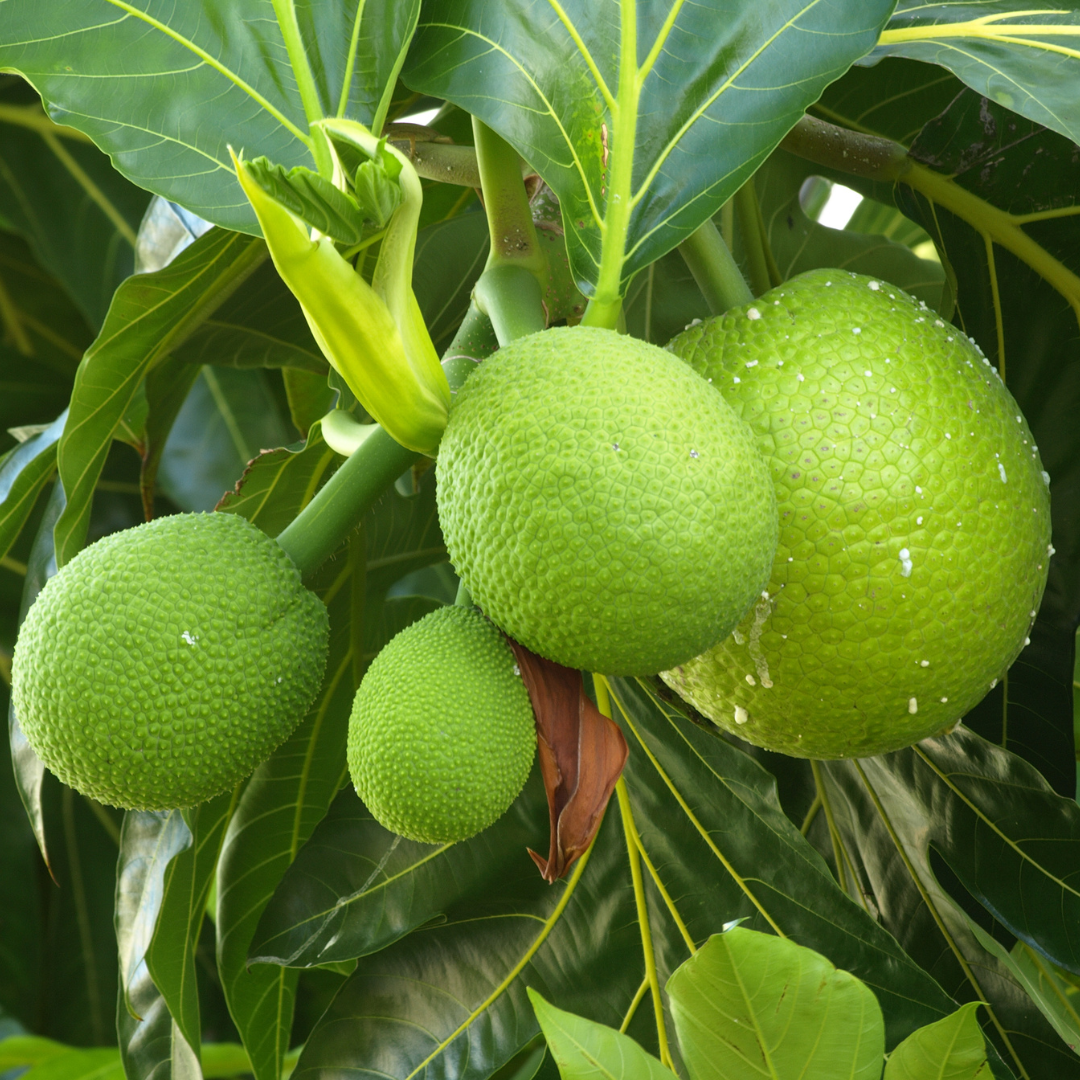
x,y
319,529
464,597
715,271
511,288
761,266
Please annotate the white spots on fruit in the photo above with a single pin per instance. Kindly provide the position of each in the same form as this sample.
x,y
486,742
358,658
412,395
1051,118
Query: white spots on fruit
x,y
1019,419
944,701
868,374
912,706
905,562
690,325
751,363
753,313
741,715
776,303
1027,641
615,447
873,286
736,379
924,663
191,639
918,521
517,671
1050,549
1046,477
694,454
918,490
751,680
856,329
947,435
762,611
1001,472
801,377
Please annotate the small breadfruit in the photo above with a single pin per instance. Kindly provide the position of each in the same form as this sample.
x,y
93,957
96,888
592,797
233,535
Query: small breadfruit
x,y
164,662
602,502
441,737
914,520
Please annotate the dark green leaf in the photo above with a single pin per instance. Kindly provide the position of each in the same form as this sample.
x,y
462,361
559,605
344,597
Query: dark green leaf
x,y
63,195
277,485
164,89
259,325
799,244
660,161
225,421
881,829
713,830
746,998
23,473
584,1049
170,955
151,1044
951,1049
1023,58
149,316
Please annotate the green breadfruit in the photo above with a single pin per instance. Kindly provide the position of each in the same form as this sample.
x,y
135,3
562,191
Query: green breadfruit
x,y
164,662
914,520
441,737
603,504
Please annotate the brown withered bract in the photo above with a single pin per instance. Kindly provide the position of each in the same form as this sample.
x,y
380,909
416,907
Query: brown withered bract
x,y
582,753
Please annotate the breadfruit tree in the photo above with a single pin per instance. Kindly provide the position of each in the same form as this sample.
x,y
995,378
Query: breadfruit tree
x,y
690,393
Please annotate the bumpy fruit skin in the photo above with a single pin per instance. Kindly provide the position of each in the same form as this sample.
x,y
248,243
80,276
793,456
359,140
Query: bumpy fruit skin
x,y
914,520
441,737
603,504
164,662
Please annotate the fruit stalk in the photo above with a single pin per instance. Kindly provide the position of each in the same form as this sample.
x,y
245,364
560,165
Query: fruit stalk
x,y
762,268
511,288
715,271
336,510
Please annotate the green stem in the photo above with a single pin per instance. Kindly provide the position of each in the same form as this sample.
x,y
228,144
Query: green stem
x,y
513,301
285,10
715,271
751,229
336,510
511,289
464,597
606,304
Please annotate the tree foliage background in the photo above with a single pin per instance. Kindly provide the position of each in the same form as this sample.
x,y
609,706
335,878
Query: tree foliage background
x,y
152,361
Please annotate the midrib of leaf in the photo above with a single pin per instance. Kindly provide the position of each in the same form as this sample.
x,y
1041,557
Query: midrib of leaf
x,y
1016,849
936,916
515,971
350,64
988,28
219,67
701,830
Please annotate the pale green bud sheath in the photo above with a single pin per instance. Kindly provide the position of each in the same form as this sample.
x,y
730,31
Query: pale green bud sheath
x,y
354,327
392,279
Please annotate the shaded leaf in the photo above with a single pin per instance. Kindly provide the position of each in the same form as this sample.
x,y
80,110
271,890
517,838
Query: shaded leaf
x,y
23,473
170,955
799,244
581,754
62,194
557,104
228,417
277,484
1025,59
189,85
584,1049
150,314
1038,979
746,1000
951,1049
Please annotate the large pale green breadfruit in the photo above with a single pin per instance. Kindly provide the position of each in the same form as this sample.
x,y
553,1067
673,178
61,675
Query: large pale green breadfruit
x,y
914,520
603,504
441,737
163,663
